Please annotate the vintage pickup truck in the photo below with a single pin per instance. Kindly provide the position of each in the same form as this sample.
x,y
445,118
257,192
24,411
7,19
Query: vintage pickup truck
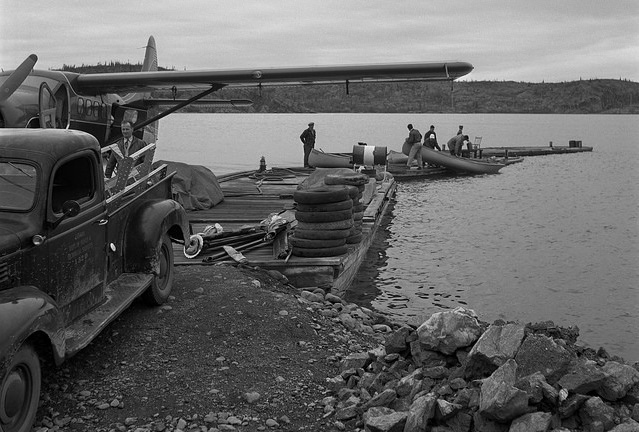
x,y
75,251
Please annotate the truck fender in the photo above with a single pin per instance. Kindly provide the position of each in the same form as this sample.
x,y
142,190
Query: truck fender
x,y
25,311
146,227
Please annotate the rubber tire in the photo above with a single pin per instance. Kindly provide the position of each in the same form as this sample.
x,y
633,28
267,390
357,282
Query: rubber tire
x,y
322,195
160,289
322,234
25,366
315,244
358,216
356,238
314,217
328,207
319,252
321,226
353,179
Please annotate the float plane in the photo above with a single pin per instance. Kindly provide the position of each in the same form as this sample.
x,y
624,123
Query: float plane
x,y
98,103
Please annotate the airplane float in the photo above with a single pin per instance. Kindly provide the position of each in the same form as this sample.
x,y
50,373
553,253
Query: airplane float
x,y
90,102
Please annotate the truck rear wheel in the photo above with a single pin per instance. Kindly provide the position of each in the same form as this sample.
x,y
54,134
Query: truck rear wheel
x,y
160,288
20,391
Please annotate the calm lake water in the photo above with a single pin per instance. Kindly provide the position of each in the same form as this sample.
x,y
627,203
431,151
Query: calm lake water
x,y
551,238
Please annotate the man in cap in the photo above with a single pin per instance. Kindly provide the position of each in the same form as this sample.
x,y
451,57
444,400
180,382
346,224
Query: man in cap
x,y
415,141
308,139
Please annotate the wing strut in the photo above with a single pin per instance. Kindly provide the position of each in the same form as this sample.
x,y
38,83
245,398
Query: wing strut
x,y
178,106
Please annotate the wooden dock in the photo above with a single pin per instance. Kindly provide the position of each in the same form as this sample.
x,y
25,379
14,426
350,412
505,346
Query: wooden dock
x,y
251,197
531,151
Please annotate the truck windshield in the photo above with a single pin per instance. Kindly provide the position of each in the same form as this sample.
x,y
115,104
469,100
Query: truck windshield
x,y
17,185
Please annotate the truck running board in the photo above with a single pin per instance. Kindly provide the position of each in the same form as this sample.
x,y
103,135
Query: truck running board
x,y
119,295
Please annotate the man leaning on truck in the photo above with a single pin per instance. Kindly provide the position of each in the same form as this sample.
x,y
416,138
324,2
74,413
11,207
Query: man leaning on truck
x,y
127,145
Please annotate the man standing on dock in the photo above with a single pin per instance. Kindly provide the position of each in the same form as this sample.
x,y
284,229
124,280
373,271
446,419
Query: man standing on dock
x,y
415,140
308,138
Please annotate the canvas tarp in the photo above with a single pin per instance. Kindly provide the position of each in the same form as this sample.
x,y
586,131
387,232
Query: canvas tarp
x,y
194,186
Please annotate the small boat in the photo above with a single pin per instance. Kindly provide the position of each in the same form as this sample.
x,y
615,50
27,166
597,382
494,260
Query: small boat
x,y
321,159
395,157
457,164
510,160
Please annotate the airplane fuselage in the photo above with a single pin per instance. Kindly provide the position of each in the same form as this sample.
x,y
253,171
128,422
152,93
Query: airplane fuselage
x,y
54,92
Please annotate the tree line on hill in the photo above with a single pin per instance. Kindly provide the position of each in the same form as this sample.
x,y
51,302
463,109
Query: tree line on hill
x,y
594,96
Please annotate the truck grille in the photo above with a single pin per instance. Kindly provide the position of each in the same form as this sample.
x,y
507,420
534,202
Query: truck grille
x,y
4,272
7,273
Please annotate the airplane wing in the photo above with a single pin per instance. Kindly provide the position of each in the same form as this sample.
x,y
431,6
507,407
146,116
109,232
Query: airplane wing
x,y
157,102
148,81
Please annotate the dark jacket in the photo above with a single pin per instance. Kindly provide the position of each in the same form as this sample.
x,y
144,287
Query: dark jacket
x,y
308,136
414,137
430,140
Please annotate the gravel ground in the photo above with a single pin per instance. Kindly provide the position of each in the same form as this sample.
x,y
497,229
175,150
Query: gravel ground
x,y
233,349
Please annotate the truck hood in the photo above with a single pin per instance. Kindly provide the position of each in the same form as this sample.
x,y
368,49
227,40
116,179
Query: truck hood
x,y
12,234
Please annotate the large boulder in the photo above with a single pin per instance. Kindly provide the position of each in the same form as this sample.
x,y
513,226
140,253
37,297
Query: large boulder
x,y
540,353
450,330
583,377
619,378
595,412
420,413
396,342
382,419
538,389
496,345
532,422
499,399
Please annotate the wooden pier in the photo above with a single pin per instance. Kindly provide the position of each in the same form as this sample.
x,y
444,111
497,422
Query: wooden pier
x,y
250,197
531,151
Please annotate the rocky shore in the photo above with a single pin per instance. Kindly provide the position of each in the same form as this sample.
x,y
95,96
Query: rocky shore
x,y
238,349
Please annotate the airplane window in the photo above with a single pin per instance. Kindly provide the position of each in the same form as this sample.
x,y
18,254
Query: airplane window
x,y
73,181
80,105
88,108
96,109
17,185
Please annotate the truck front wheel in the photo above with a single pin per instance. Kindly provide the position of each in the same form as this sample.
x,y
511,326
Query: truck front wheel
x,y
20,391
160,289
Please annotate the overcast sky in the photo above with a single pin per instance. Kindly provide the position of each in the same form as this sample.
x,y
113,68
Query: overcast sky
x,y
520,40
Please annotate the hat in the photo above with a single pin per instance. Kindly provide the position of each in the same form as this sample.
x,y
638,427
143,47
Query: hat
x,y
311,124
461,126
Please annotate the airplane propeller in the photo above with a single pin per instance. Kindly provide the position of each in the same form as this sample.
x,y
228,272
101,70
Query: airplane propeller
x,y
17,77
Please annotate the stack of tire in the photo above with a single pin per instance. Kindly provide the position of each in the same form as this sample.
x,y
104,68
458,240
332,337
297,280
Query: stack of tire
x,y
357,180
324,220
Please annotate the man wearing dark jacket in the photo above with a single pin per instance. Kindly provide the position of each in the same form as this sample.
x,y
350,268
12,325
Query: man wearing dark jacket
x,y
430,139
127,145
308,138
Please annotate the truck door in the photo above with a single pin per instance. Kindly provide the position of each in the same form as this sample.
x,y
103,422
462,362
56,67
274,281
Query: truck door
x,y
77,251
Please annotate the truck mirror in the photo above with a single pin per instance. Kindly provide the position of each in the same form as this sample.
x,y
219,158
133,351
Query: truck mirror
x,y
70,208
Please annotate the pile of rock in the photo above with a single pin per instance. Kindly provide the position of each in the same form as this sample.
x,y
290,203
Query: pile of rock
x,y
456,373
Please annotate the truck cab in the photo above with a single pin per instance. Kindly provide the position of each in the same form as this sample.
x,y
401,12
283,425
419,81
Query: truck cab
x,y
75,251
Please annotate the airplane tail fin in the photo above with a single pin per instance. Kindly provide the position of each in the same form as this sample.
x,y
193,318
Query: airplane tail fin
x,y
150,64
150,56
